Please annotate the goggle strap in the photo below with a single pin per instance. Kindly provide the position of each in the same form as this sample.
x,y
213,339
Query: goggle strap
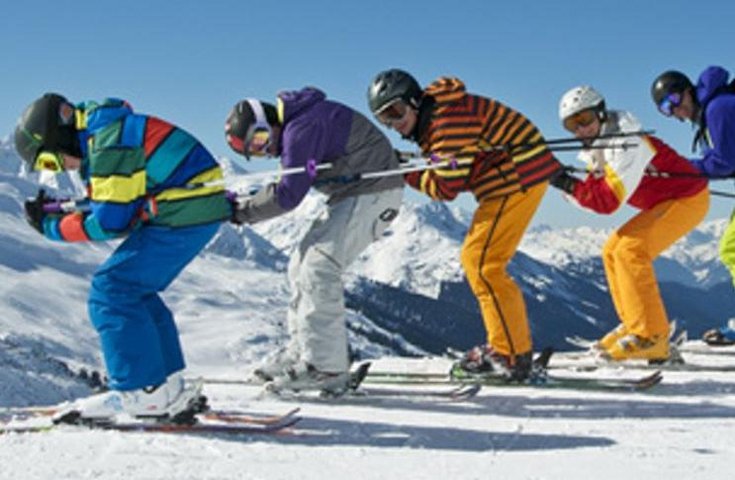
x,y
261,122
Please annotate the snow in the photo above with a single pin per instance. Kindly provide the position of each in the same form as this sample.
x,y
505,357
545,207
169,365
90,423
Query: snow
x,y
230,306
682,430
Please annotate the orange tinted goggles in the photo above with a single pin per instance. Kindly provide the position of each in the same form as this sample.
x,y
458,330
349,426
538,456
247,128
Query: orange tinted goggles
x,y
257,143
580,119
49,161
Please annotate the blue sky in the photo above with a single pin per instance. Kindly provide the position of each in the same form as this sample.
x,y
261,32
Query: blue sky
x,y
189,61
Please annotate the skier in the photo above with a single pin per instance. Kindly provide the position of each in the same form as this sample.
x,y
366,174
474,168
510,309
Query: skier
x,y
305,127
458,127
710,106
147,181
648,175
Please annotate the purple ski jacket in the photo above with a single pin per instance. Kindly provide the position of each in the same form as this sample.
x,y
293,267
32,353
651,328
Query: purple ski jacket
x,y
718,115
318,130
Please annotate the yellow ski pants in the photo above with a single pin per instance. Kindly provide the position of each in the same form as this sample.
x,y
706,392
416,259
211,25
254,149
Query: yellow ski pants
x,y
496,230
628,257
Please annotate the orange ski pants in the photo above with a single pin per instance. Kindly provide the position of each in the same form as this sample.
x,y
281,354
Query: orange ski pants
x,y
496,230
628,257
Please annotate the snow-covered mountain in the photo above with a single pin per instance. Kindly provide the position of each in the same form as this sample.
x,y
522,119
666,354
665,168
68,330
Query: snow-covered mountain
x,y
692,261
406,294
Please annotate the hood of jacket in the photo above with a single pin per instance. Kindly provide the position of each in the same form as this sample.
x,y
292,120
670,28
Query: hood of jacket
x,y
292,103
712,81
446,90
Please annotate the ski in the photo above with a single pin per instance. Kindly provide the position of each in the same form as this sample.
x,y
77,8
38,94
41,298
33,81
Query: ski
x,y
586,360
221,422
541,376
382,391
459,393
357,391
196,428
702,348
9,414
640,383
237,416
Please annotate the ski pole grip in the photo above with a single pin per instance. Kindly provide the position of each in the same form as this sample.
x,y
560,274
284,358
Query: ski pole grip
x,y
231,196
311,169
52,207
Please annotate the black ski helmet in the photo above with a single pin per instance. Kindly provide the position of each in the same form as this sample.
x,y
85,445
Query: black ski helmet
x,y
669,82
391,84
244,115
47,124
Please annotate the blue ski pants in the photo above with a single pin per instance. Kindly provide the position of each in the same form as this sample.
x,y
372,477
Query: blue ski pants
x,y
139,339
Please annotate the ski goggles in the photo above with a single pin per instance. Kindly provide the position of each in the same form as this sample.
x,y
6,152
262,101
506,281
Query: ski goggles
x,y
49,161
392,112
669,103
256,142
580,119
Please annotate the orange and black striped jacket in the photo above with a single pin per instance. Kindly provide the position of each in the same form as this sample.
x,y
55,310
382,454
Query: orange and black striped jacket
x,y
462,127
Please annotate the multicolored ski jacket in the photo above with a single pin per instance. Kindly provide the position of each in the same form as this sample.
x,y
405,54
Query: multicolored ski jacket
x,y
139,170
636,174
462,126
718,105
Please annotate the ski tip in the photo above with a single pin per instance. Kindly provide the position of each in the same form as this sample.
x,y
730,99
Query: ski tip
x,y
361,371
543,358
650,381
71,417
469,391
357,376
292,412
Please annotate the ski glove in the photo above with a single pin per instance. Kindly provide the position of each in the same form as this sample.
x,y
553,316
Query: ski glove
x,y
564,181
402,160
34,210
257,206
240,213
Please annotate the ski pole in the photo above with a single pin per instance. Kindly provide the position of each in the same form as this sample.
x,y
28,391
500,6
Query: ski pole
x,y
65,206
556,141
665,175
311,169
574,148
722,194
433,162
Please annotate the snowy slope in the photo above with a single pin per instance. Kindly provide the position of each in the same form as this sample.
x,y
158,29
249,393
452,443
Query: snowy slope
x,y
682,431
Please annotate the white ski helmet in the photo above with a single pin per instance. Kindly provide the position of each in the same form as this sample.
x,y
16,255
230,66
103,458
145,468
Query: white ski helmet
x,y
580,98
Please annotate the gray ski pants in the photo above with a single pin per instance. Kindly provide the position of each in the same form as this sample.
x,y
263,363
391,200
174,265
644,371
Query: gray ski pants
x,y
316,314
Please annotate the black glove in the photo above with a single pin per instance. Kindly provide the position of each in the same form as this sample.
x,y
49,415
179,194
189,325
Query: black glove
x,y
402,158
240,209
564,181
34,210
